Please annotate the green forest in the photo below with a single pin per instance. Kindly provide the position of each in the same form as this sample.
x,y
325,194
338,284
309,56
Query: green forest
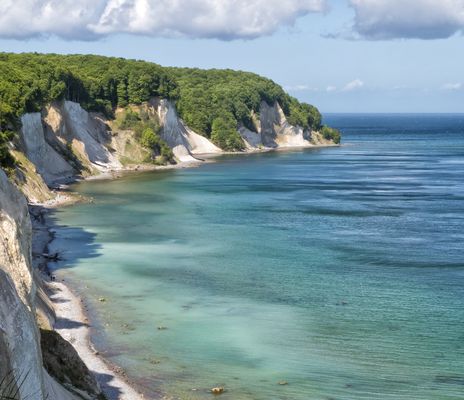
x,y
212,102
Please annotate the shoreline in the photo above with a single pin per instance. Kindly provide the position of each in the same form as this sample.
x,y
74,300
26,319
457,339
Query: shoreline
x,y
71,319
74,325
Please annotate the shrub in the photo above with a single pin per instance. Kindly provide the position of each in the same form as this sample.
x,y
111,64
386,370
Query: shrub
x,y
129,120
224,134
151,140
332,134
6,159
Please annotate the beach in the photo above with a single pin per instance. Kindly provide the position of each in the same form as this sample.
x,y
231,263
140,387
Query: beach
x,y
71,319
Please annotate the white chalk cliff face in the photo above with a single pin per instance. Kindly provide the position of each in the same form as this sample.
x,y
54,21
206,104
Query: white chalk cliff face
x,y
65,141
20,352
185,143
274,131
48,162
87,133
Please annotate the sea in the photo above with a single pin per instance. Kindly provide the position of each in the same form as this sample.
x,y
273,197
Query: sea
x,y
329,273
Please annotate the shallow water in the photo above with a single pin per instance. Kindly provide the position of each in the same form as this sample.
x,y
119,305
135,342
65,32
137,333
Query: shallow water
x,y
337,270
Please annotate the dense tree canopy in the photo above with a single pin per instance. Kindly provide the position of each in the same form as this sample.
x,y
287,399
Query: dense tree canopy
x,y
29,81
224,133
205,95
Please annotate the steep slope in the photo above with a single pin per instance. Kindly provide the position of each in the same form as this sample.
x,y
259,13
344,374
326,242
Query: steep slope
x,y
65,141
273,131
20,352
184,142
48,162
19,336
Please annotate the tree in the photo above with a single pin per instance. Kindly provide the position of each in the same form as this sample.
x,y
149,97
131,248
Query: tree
x,y
331,134
224,98
6,160
224,133
149,139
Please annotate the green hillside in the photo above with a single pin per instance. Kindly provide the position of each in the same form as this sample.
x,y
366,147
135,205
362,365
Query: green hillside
x,y
212,102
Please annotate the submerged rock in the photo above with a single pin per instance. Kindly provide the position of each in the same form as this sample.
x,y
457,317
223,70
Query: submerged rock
x,y
217,390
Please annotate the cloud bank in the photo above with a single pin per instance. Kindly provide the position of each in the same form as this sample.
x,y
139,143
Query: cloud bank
x,y
93,19
408,19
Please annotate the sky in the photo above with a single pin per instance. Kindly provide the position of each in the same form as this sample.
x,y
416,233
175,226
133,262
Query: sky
x,y
340,55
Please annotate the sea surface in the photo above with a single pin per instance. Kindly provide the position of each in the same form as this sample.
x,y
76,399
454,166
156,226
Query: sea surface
x,y
331,273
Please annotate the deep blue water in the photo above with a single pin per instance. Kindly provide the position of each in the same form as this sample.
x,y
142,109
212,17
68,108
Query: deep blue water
x,y
338,270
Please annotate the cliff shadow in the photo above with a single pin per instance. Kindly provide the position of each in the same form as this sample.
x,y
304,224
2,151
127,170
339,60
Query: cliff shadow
x,y
105,381
61,246
66,245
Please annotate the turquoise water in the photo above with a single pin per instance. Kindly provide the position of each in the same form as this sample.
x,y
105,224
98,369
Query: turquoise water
x,y
337,270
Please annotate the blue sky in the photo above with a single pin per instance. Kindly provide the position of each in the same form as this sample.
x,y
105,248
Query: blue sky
x,y
340,55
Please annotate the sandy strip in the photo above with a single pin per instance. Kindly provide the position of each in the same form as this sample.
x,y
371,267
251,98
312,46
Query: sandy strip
x,y
71,321
72,325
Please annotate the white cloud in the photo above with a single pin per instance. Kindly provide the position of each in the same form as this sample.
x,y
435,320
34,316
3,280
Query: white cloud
x,y
91,19
353,85
452,86
421,19
298,88
349,87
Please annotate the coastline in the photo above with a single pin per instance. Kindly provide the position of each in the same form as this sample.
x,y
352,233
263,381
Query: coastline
x,y
71,320
73,325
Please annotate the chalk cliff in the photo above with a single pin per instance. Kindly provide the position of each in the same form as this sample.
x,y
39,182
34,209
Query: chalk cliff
x,y
21,360
274,131
65,141
184,142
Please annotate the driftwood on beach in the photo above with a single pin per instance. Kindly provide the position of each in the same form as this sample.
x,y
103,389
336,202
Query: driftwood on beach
x,y
52,257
